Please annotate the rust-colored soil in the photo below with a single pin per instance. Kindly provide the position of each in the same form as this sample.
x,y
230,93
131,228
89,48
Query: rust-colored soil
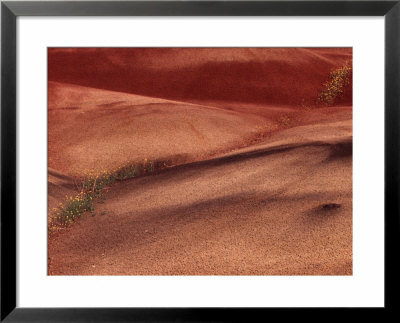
x,y
256,187
97,129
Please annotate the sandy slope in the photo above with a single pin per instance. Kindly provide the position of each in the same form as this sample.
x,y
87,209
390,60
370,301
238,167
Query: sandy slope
x,y
257,169
253,75
90,128
238,93
98,129
258,211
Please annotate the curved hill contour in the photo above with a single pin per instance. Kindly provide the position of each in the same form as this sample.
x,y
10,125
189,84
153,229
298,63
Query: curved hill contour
x,y
282,208
259,179
254,75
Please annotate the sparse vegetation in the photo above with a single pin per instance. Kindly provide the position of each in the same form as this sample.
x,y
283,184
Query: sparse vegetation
x,y
333,89
73,207
93,185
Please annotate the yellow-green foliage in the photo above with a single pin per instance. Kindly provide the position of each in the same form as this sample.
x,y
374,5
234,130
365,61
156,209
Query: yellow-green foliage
x,y
73,208
92,187
93,183
334,88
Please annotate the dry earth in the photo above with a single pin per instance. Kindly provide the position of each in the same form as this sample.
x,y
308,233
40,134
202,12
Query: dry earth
x,y
257,188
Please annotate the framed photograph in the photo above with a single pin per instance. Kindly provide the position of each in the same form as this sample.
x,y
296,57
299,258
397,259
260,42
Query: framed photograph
x,y
198,160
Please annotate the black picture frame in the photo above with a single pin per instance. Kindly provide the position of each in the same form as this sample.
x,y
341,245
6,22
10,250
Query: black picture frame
x,y
9,13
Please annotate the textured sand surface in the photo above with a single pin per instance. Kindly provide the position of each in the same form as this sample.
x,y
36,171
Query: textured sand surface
x,y
258,75
254,212
90,128
261,183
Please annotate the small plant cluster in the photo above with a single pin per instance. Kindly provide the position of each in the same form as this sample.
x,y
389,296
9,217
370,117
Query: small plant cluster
x,y
73,208
334,88
93,186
